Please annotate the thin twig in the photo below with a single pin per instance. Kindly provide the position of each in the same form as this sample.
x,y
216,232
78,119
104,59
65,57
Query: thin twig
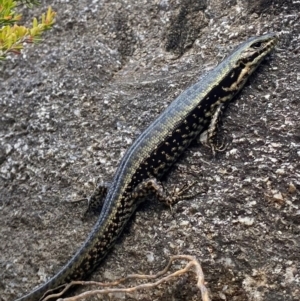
x,y
192,265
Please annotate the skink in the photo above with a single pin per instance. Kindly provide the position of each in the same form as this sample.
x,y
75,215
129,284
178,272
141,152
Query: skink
x,y
155,150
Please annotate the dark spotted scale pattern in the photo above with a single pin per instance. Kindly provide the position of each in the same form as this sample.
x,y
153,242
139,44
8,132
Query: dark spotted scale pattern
x,y
155,150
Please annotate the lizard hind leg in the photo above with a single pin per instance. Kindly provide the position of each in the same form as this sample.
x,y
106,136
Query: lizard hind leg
x,y
96,200
154,187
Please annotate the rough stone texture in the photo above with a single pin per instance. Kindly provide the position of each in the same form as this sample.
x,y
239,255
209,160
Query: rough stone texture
x,y
72,105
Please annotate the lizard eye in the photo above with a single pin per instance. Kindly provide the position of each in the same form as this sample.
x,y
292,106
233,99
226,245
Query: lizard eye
x,y
256,45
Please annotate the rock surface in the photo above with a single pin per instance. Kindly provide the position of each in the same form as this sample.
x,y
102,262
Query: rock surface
x,y
73,104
